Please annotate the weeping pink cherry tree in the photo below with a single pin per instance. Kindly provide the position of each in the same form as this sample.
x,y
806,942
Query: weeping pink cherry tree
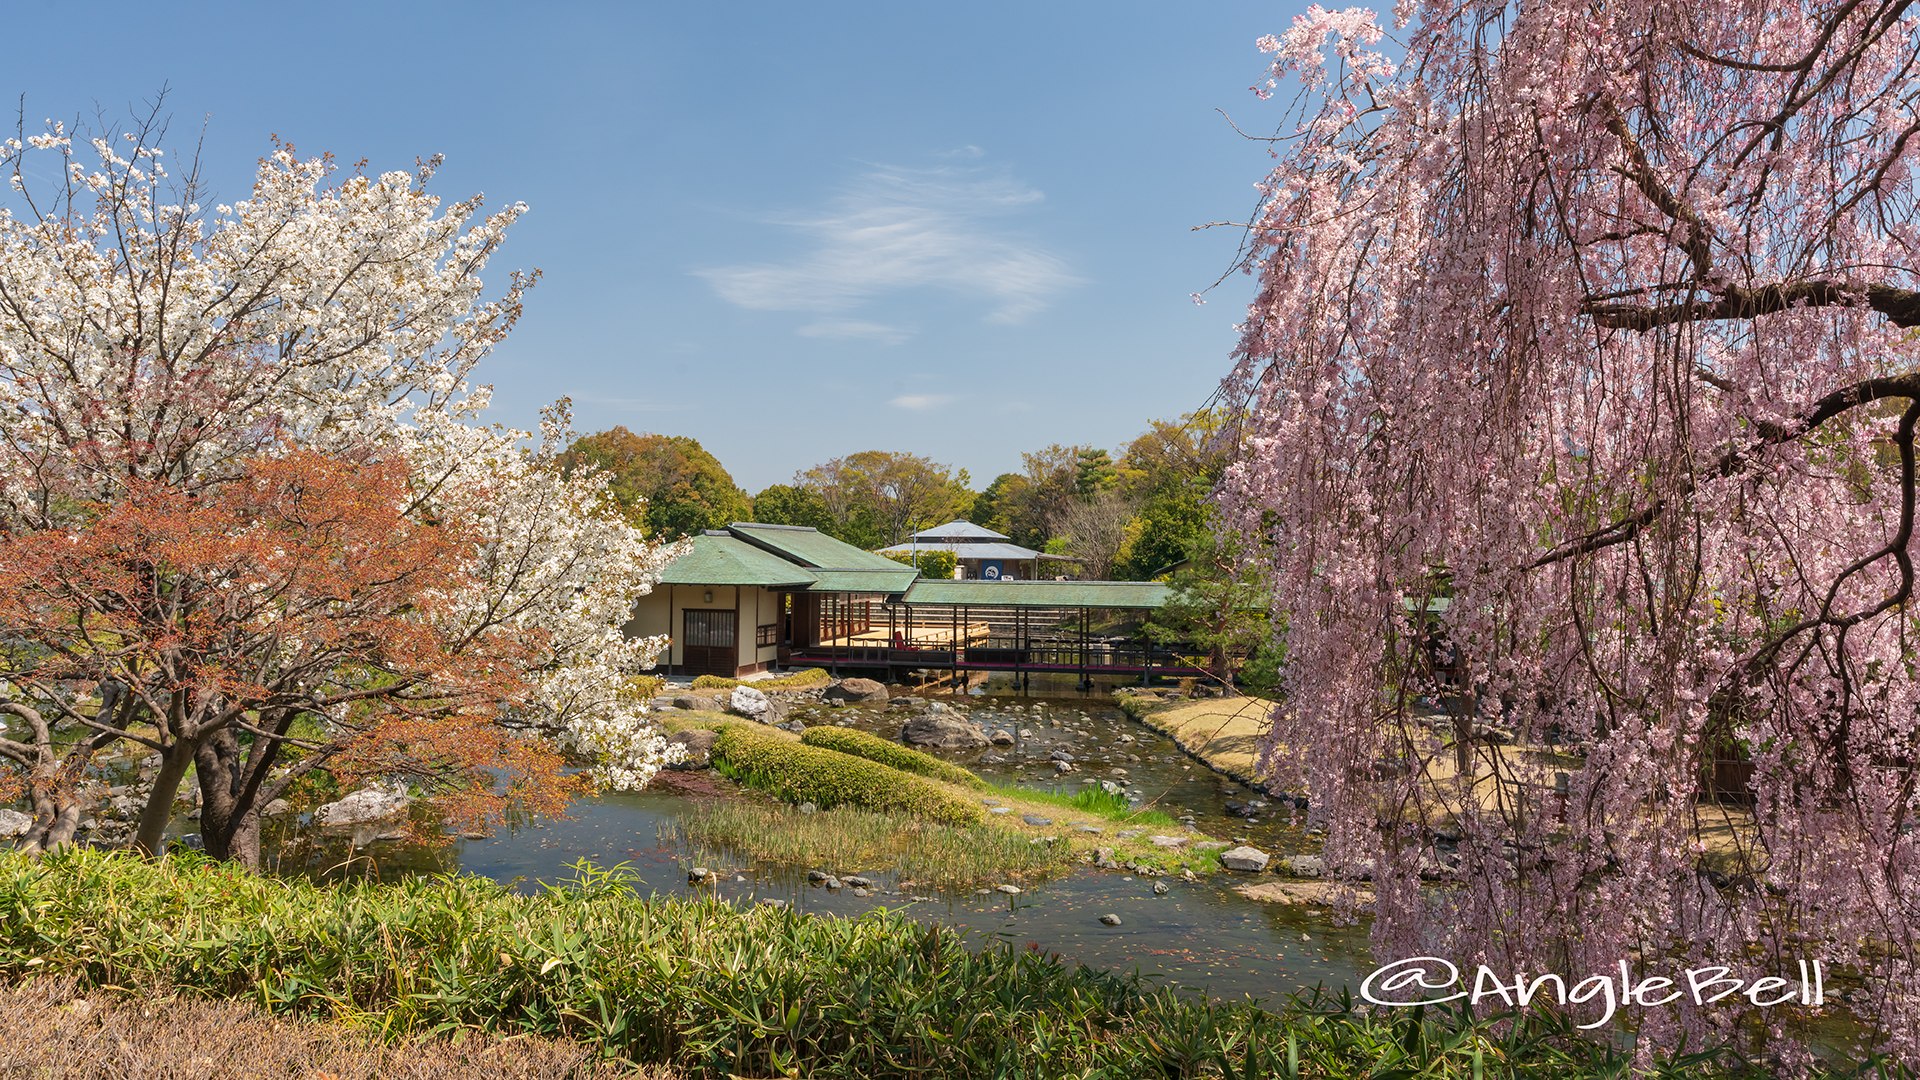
x,y
1593,321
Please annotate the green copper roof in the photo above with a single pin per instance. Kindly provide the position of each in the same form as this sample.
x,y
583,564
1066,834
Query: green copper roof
x,y
895,580
727,560
810,547
1100,594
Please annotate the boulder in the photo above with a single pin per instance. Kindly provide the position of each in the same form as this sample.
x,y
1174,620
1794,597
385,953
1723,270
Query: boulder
x,y
1167,841
942,727
1244,858
367,804
1104,859
14,823
1306,865
855,690
755,705
1110,919
277,808
696,744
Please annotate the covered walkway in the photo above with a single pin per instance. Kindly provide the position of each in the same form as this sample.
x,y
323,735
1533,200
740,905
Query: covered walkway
x,y
1021,627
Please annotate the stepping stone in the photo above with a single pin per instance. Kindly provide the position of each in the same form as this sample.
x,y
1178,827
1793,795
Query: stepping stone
x,y
1036,819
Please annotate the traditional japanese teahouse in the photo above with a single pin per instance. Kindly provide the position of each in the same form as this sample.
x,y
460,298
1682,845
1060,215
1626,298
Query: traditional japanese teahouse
x,y
750,596
735,602
979,554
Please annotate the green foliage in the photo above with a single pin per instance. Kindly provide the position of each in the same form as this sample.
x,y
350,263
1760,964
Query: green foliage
x,y
891,754
1217,606
1168,525
825,778
786,504
931,564
1093,472
987,509
877,498
813,676
718,991
666,484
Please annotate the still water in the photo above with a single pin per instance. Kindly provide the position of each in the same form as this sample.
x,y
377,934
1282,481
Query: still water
x,y
1201,935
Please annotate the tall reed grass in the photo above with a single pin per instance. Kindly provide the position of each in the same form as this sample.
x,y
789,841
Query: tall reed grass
x,y
849,840
714,990
1092,800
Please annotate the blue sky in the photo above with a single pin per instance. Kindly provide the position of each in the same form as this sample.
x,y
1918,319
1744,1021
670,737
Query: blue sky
x,y
791,231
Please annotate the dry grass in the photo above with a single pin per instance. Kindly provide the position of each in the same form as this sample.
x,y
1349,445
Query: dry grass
x,y
57,1033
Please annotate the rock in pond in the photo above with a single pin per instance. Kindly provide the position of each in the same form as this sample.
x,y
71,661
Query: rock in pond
x,y
1250,859
696,744
1110,919
367,804
1010,890
14,823
942,727
1306,865
855,690
755,705
276,808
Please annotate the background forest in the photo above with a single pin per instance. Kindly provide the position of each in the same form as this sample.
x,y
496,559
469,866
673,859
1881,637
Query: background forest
x,y
1128,515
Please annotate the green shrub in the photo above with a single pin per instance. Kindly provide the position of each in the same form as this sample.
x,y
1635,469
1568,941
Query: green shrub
x,y
810,677
644,687
891,754
825,778
931,564
718,991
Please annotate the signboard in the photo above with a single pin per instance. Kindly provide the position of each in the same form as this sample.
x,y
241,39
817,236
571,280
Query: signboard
x,y
990,569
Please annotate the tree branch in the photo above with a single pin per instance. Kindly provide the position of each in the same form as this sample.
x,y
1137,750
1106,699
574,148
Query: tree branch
x,y
1902,306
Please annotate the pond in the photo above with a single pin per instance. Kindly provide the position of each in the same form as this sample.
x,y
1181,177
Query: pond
x,y
1200,935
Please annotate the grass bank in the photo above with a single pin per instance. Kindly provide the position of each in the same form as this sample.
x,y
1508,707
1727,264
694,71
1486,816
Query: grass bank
x,y
708,989
775,761
845,840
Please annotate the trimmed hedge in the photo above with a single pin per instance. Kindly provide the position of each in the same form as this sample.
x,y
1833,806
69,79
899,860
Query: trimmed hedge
x,y
893,755
826,778
809,677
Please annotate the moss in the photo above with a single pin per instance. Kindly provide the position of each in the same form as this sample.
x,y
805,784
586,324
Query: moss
x,y
874,748
825,778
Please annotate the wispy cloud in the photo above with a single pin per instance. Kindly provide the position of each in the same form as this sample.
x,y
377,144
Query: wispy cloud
x,y
853,328
896,229
920,402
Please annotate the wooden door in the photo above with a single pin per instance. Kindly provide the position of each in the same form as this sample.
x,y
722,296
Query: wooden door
x,y
710,645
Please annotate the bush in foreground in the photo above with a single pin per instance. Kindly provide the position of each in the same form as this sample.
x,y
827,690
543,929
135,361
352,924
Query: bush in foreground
x,y
893,755
825,778
711,989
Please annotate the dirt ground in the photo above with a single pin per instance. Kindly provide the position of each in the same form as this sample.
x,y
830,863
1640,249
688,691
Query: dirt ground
x,y
58,1033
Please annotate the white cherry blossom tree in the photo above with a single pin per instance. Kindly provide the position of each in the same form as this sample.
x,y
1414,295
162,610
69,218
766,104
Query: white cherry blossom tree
x,y
148,339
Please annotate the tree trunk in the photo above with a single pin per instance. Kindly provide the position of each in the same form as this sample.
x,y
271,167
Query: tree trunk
x,y
56,817
159,809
